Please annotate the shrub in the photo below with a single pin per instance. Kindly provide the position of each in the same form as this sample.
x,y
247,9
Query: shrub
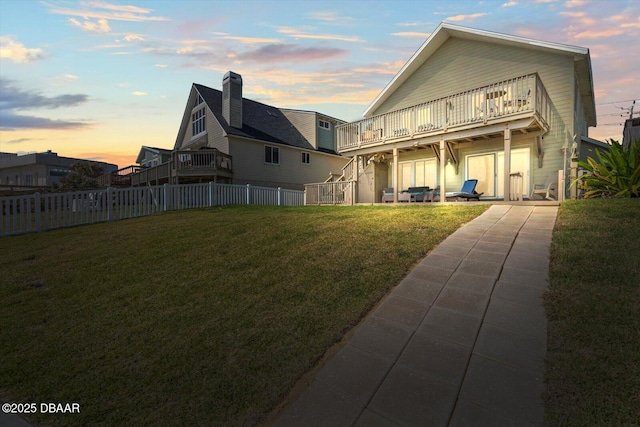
x,y
616,173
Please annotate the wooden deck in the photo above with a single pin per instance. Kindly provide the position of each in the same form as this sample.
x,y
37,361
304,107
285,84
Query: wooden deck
x,y
465,116
187,165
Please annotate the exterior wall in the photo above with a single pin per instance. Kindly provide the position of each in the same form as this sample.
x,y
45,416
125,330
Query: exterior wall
x,y
305,122
474,64
212,137
249,166
327,138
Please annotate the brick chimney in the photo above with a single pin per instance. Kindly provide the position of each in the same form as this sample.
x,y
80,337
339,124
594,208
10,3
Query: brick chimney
x,y
232,99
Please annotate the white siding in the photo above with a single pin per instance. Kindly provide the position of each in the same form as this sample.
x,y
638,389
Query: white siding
x,y
462,64
305,122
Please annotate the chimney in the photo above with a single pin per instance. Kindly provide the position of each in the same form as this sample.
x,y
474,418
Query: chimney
x,y
232,99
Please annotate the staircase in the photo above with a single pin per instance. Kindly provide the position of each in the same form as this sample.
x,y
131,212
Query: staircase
x,y
337,189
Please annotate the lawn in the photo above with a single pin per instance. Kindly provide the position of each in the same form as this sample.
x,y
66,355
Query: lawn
x,y
201,317
593,307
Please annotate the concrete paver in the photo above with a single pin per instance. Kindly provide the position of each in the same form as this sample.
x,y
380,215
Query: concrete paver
x,y
460,341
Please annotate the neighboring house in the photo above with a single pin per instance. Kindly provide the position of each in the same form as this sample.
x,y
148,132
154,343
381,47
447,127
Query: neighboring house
x,y
474,104
152,156
224,137
40,169
631,131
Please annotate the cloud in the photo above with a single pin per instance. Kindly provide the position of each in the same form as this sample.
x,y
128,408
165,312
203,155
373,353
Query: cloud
x,y
17,52
21,140
15,99
247,40
294,32
612,32
412,34
275,53
131,37
102,10
63,79
509,4
471,17
101,26
330,17
161,65
139,93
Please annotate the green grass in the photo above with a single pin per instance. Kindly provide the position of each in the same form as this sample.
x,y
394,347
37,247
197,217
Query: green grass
x,y
593,306
202,317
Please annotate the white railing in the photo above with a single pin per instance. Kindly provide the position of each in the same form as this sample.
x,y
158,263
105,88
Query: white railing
x,y
40,212
525,94
330,193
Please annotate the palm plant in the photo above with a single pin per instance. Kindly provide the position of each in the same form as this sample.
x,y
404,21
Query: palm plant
x,y
615,174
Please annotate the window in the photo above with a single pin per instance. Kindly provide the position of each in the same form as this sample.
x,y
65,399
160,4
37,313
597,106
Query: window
x,y
306,158
272,155
197,124
199,100
324,124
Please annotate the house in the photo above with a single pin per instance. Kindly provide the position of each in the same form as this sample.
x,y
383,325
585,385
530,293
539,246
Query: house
x,y
472,104
631,131
152,156
40,169
226,138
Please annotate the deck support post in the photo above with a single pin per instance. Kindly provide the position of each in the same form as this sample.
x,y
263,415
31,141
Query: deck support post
x,y
507,163
396,180
443,170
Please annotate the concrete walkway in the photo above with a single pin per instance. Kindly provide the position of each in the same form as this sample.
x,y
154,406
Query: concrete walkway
x,y
460,341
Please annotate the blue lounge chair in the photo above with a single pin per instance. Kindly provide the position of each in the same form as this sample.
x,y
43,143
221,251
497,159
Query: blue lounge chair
x,y
468,191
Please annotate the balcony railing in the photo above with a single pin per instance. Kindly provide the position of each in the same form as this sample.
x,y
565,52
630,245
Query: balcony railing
x,y
518,96
186,163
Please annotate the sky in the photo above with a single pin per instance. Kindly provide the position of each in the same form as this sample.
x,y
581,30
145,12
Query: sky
x,y
98,79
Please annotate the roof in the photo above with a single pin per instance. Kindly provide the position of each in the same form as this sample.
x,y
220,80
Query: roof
x,y
165,151
445,31
259,121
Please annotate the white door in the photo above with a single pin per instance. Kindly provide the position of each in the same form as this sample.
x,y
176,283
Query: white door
x,y
488,169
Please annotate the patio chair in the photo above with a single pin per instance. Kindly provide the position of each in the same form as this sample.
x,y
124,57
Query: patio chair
x,y
468,191
546,191
387,195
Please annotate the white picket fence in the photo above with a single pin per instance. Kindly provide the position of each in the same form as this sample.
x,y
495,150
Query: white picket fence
x,y
40,212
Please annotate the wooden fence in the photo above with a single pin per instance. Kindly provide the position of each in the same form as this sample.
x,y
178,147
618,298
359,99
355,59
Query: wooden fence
x,y
40,212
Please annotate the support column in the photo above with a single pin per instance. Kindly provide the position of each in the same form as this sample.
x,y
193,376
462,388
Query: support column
x,y
443,170
394,172
507,163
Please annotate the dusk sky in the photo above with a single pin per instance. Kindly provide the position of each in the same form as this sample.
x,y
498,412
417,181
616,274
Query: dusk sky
x,y
99,79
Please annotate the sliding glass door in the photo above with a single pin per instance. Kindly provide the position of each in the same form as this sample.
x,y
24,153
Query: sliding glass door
x,y
488,169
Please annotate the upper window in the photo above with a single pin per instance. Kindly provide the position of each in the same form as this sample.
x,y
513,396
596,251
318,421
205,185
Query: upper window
x,y
272,155
306,158
199,100
197,122
324,124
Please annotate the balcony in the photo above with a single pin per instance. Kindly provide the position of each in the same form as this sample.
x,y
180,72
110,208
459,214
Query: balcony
x,y
188,165
473,111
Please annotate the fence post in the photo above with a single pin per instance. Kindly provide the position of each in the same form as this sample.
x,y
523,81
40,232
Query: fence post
x,y
36,211
165,189
304,196
279,196
248,193
109,204
210,193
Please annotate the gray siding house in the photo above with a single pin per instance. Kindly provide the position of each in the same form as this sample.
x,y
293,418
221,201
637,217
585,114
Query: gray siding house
x,y
474,104
225,137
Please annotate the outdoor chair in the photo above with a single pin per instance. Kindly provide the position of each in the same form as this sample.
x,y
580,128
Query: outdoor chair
x,y
468,191
387,195
546,191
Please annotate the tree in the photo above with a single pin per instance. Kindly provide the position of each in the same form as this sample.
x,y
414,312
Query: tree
x,y
82,175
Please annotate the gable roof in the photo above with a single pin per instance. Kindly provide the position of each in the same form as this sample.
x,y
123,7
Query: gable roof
x,y
445,31
259,121
156,150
